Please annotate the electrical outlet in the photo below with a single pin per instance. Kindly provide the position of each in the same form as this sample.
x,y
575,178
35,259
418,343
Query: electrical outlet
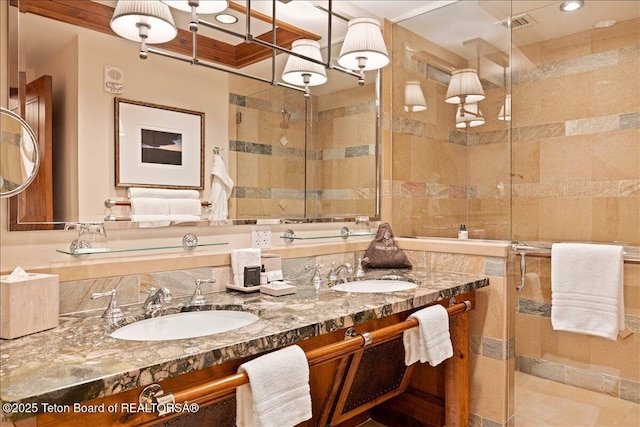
x,y
261,236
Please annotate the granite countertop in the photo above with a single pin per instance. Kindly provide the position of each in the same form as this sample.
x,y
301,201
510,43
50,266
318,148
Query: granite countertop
x,y
79,361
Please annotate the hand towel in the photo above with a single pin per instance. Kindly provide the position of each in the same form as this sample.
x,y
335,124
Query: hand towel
x,y
430,340
241,258
278,393
161,193
221,187
184,207
587,288
151,206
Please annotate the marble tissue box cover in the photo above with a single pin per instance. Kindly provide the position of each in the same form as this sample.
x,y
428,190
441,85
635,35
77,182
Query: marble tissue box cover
x,y
28,305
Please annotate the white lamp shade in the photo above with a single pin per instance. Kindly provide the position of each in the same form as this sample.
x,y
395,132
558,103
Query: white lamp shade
x,y
363,40
413,97
472,116
204,6
152,13
464,87
296,68
505,111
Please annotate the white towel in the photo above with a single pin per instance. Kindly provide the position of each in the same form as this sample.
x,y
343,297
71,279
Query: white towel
x,y
278,393
185,207
587,288
241,258
149,206
161,193
221,187
430,340
148,221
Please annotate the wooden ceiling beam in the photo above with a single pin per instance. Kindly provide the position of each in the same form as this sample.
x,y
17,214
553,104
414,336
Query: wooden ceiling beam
x,y
96,16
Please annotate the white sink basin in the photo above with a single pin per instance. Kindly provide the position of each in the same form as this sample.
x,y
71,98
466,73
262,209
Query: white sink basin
x,y
189,324
375,286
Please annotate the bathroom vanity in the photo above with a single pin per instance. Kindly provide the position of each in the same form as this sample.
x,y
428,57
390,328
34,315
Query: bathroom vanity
x,y
77,374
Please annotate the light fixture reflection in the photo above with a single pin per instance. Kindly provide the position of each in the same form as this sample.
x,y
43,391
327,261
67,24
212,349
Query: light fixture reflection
x,y
470,116
226,18
464,87
414,97
505,111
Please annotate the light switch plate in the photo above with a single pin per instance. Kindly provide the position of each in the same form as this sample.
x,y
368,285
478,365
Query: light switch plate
x,y
261,236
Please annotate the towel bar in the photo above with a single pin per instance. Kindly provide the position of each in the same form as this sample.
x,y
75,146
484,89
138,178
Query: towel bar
x,y
109,203
523,250
162,403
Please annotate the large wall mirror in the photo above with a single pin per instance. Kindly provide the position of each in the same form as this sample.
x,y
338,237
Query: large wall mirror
x,y
290,157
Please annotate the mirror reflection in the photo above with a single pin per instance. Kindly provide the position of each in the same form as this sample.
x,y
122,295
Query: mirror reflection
x,y
289,157
19,154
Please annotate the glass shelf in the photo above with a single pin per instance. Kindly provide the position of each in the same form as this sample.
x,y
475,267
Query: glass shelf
x,y
89,251
289,236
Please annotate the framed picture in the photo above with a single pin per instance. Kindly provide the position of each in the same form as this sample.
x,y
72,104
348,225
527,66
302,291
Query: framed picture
x,y
158,146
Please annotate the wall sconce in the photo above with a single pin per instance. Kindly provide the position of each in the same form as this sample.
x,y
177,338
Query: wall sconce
x,y
145,21
363,47
505,111
413,97
301,72
469,117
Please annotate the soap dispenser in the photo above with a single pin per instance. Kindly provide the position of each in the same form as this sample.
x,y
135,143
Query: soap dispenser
x,y
463,234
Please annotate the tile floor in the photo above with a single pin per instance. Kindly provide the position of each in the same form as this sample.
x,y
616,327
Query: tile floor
x,y
540,402
544,403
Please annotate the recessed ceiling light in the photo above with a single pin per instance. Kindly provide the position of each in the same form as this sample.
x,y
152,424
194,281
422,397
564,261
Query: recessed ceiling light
x,y
605,24
226,18
571,5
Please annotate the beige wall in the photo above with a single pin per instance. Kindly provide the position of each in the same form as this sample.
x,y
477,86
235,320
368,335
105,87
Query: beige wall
x,y
576,177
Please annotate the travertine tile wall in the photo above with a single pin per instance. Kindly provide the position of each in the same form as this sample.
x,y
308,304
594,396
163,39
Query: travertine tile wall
x,y
343,150
442,176
576,177
266,150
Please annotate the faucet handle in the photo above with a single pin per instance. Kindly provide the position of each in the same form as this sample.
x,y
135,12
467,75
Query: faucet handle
x,y
198,299
360,273
316,280
113,313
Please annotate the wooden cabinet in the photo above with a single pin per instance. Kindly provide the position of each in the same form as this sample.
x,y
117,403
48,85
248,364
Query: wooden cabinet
x,y
368,381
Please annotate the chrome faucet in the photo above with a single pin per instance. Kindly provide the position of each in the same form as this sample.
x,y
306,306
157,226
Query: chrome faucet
x,y
113,313
154,301
334,274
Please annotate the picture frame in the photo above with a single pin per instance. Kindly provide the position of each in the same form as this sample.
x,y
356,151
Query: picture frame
x,y
158,146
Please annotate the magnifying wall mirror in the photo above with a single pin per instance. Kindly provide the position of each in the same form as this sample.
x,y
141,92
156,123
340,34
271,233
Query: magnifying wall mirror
x,y
19,158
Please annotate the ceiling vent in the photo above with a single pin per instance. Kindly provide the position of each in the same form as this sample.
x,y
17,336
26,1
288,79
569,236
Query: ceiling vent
x,y
519,21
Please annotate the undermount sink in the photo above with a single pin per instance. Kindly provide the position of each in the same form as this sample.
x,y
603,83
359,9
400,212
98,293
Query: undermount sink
x,y
375,286
189,324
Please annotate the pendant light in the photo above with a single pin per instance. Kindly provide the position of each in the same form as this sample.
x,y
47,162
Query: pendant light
x,y
147,21
301,72
363,48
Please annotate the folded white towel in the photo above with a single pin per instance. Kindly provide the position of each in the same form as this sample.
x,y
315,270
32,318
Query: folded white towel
x,y
430,340
149,207
241,258
161,193
185,207
149,221
221,187
278,393
587,288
